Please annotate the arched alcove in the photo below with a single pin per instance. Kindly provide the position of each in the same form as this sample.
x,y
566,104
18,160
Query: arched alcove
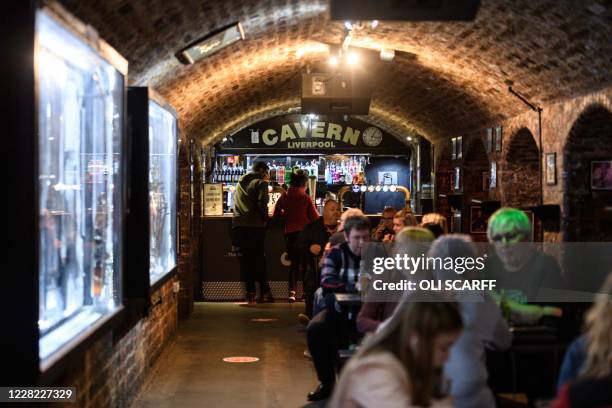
x,y
589,144
586,208
476,163
520,176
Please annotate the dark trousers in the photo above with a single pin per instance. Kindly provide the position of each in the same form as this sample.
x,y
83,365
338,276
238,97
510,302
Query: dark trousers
x,y
252,260
295,258
311,283
326,334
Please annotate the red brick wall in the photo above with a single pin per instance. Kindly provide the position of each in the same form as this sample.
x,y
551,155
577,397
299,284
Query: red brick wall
x,y
558,119
112,371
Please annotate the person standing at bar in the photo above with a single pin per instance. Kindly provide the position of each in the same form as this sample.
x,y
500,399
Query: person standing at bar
x,y
385,226
298,209
249,229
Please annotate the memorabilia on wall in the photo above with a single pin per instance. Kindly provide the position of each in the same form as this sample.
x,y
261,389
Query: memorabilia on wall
x,y
493,175
163,136
478,220
456,179
459,147
601,175
454,148
80,181
486,176
498,138
489,140
551,169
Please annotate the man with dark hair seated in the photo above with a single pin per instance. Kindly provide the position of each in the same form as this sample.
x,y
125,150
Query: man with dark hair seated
x,y
329,330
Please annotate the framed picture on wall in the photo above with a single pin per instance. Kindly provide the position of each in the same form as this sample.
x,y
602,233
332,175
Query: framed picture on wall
x,y
456,179
454,148
478,221
489,140
601,175
551,169
493,175
498,138
460,147
486,176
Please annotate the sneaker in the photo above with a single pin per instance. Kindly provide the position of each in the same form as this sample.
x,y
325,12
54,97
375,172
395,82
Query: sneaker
x,y
307,354
303,319
291,296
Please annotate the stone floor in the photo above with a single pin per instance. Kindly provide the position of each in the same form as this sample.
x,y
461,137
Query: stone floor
x,y
191,372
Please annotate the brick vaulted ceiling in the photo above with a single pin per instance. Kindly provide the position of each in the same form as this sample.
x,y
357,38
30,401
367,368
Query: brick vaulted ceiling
x,y
452,78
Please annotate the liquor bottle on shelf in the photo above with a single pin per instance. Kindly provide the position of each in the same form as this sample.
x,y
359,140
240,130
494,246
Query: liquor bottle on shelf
x,y
280,174
288,171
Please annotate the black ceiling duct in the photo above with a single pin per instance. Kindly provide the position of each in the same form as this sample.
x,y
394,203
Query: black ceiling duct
x,y
404,10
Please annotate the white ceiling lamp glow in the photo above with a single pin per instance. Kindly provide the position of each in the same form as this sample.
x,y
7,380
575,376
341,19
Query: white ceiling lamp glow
x,y
333,61
352,58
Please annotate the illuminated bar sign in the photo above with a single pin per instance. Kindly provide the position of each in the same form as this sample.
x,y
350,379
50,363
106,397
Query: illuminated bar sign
x,y
212,43
297,133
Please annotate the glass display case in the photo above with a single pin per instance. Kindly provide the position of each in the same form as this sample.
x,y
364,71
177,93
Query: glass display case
x,y
162,190
80,183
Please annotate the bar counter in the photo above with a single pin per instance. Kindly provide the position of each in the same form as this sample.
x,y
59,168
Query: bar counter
x,y
221,279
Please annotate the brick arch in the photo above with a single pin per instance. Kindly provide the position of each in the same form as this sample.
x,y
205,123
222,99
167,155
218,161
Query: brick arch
x,y
476,162
590,138
519,171
447,78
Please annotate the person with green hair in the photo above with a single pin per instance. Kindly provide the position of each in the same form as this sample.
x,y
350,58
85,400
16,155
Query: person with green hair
x,y
522,273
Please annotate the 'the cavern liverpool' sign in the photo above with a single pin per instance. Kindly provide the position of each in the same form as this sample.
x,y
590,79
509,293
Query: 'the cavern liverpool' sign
x,y
311,134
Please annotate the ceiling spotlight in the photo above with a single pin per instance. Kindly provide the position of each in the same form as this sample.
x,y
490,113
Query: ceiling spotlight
x,y
224,139
374,23
409,138
333,60
348,25
352,58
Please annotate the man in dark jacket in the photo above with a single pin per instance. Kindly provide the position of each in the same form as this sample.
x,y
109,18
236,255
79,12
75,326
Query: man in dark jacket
x,y
311,243
249,229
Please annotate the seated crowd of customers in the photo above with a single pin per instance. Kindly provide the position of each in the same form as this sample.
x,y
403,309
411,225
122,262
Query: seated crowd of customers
x,y
426,348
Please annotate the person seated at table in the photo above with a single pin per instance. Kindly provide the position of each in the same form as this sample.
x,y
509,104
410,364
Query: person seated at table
x,y
400,366
402,219
594,347
385,226
311,242
338,237
431,220
329,330
379,306
521,272
483,327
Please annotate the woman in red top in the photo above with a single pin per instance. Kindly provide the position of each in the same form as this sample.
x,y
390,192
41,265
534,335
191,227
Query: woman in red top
x,y
298,209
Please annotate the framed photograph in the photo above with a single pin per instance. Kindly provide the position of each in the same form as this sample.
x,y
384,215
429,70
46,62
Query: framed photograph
x,y
551,169
493,175
489,140
456,179
454,148
478,221
486,178
460,147
601,175
498,138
